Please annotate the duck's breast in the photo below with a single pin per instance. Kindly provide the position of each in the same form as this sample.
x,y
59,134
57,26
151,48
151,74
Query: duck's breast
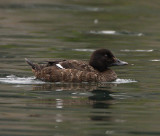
x,y
107,76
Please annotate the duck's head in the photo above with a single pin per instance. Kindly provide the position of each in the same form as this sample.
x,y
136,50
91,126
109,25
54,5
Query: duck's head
x,y
101,59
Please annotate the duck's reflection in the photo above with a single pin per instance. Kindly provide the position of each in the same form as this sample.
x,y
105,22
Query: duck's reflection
x,y
102,98
65,87
59,103
71,86
78,95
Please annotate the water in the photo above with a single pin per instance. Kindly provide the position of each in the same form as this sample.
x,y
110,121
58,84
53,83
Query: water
x,y
43,30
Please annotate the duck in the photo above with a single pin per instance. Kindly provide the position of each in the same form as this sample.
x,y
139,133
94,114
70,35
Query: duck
x,y
97,69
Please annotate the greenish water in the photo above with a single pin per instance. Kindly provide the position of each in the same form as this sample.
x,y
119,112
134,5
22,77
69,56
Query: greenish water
x,y
45,30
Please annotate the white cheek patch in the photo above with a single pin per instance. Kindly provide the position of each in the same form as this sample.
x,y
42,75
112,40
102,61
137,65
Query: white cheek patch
x,y
59,65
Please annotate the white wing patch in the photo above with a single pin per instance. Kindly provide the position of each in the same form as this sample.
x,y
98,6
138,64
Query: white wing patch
x,y
60,66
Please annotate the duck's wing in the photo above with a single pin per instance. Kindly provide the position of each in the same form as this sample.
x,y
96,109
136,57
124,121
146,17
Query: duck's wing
x,y
71,64
75,64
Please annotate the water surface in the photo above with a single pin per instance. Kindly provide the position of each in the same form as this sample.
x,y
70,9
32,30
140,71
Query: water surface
x,y
47,30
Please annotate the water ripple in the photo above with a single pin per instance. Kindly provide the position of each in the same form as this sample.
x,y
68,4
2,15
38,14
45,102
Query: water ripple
x,y
51,7
85,50
124,81
113,32
127,50
155,60
12,79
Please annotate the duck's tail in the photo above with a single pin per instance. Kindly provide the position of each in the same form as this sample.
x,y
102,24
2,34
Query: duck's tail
x,y
30,63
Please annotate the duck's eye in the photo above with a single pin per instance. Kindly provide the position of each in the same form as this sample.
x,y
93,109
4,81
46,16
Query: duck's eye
x,y
106,55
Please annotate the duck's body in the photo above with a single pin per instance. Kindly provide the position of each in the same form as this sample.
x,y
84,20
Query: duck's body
x,y
78,71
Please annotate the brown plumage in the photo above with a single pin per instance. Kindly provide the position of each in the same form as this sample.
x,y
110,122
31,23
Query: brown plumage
x,y
79,71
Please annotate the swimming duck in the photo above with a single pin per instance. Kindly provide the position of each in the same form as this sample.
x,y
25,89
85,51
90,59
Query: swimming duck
x,y
96,70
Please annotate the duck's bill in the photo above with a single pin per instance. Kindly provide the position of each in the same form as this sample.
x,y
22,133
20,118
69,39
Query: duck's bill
x,y
119,63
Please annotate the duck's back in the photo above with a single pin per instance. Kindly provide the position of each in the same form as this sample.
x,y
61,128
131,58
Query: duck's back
x,y
77,64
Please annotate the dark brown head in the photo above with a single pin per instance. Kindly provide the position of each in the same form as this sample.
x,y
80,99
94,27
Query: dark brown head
x,y
102,59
